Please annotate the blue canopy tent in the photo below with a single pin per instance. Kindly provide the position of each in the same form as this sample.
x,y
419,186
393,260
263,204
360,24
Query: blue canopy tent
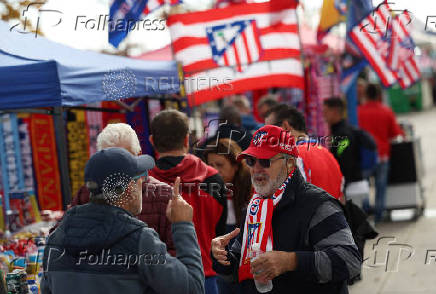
x,y
82,76
36,72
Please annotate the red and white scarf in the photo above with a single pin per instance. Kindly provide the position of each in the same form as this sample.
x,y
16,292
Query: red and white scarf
x,y
258,227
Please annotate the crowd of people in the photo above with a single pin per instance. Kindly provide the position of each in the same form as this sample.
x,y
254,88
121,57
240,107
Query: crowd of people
x,y
255,203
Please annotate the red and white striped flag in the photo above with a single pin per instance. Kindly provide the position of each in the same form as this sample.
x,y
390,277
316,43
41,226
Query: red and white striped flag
x,y
400,34
239,48
388,46
370,36
401,56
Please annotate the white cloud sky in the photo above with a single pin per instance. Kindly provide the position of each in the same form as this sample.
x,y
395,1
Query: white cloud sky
x,y
86,38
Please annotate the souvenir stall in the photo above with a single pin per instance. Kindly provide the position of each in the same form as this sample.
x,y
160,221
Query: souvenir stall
x,y
53,102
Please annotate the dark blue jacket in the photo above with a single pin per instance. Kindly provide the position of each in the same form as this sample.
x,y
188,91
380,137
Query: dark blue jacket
x,y
104,249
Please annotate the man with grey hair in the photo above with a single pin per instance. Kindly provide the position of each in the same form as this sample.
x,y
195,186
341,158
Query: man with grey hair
x,y
100,247
119,135
156,194
307,244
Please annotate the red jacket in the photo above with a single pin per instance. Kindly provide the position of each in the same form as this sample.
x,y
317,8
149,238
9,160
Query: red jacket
x,y
321,168
379,120
204,190
155,197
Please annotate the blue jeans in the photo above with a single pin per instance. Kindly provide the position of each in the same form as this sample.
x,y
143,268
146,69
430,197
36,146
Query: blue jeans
x,y
210,285
381,182
225,287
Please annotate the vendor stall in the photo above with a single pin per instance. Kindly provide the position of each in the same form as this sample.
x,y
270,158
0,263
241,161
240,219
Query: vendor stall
x,y
36,73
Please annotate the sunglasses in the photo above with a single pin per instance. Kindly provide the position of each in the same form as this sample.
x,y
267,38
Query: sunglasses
x,y
265,163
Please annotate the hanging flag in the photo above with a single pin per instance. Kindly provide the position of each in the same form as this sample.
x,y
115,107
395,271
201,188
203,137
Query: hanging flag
x,y
94,121
45,162
78,149
332,13
138,120
388,46
401,41
356,10
371,36
26,151
401,57
239,48
124,14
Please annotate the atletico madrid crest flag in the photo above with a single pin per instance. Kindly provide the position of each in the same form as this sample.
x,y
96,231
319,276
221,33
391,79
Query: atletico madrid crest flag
x,y
387,45
241,47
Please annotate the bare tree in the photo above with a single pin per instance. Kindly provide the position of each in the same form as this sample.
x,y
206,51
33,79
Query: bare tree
x,y
12,10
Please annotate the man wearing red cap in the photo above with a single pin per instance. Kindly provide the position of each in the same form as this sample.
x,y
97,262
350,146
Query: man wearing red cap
x,y
308,245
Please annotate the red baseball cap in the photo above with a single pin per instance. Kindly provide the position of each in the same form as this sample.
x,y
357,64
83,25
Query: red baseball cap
x,y
269,141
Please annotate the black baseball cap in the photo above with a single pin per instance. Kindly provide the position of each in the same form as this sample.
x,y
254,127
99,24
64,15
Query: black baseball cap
x,y
115,167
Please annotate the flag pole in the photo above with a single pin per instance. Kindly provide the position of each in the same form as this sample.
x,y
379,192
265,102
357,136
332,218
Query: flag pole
x,y
302,57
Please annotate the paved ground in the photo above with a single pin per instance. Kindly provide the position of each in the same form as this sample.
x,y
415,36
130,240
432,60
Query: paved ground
x,y
408,264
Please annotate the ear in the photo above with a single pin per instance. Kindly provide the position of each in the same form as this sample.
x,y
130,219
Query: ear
x,y
186,142
287,127
150,138
291,163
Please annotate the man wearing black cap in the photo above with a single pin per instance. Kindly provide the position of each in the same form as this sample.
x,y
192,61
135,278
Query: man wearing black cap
x,y
307,244
100,247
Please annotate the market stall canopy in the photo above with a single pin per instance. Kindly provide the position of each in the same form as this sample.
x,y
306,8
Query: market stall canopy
x,y
36,72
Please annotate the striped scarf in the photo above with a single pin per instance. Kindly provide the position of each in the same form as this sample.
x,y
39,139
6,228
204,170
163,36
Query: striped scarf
x,y
258,226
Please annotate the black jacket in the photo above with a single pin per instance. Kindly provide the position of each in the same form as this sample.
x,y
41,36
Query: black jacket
x,y
302,223
346,150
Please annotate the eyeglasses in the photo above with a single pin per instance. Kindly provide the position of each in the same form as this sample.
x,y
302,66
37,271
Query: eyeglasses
x,y
265,163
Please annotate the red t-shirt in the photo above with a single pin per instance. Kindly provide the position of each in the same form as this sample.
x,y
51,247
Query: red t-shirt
x,y
321,168
379,120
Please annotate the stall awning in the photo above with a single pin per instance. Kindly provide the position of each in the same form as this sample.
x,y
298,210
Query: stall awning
x,y
36,72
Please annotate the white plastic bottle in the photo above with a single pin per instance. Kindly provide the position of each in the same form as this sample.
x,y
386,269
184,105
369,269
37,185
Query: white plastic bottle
x,y
261,287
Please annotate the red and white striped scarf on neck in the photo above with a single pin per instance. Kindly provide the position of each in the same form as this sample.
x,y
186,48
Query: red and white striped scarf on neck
x,y
258,226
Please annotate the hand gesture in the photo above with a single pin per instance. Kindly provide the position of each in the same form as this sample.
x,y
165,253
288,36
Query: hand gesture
x,y
219,246
178,210
272,264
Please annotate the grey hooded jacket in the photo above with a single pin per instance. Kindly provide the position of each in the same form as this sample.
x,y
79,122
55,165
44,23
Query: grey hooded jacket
x,y
104,249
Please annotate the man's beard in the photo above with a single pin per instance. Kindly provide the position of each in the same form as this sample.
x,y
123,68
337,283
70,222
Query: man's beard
x,y
264,186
